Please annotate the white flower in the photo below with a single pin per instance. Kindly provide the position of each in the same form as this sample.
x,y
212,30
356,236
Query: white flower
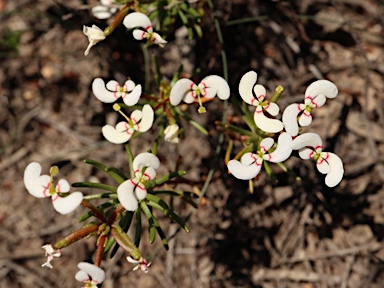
x,y
137,19
315,96
94,34
41,186
171,133
90,275
186,90
112,91
140,121
250,164
310,146
50,253
142,264
133,190
247,90
105,10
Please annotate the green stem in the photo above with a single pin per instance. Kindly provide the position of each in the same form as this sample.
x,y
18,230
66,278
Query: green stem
x,y
77,235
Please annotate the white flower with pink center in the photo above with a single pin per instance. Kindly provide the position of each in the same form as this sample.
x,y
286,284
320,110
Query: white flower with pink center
x,y
186,90
112,91
254,94
141,264
315,96
140,121
90,275
42,186
310,147
137,19
250,164
131,191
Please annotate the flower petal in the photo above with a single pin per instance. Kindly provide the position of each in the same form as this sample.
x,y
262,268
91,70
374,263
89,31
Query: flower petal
x,y
126,196
97,274
307,139
102,93
146,159
81,276
306,153
283,149
322,87
171,133
317,102
337,171
63,186
65,205
290,119
157,39
305,119
36,185
137,19
180,90
140,192
246,85
322,164
133,97
243,171
267,124
147,120
272,108
94,34
117,135
260,92
139,34
266,144
219,85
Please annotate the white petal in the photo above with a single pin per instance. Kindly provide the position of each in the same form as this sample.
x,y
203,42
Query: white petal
x,y
246,85
133,97
131,260
322,164
102,12
337,171
126,196
146,160
147,120
242,171
290,119
102,93
150,172
266,144
65,205
137,19
63,186
307,139
157,39
219,85
267,124
140,192
283,149
116,135
36,185
260,92
322,87
305,119
171,133
249,158
272,108
318,101
136,116
81,276
139,34
97,274
306,153
180,90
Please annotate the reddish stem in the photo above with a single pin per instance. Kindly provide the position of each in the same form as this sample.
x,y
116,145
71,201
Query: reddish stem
x,y
94,210
114,215
100,250
75,236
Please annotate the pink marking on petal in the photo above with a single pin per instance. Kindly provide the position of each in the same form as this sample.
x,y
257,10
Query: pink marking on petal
x,y
205,88
308,97
269,157
143,35
148,27
263,148
133,182
140,186
259,111
45,190
262,96
115,92
266,107
319,147
128,128
305,113
55,198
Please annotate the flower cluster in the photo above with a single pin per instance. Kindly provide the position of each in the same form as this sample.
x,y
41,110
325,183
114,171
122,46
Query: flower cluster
x,y
140,23
309,145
